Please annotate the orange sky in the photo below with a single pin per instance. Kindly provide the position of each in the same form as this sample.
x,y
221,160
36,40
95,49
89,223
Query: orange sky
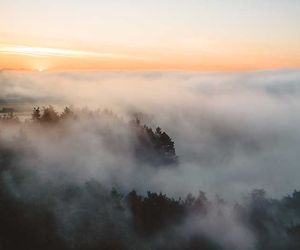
x,y
195,35
39,58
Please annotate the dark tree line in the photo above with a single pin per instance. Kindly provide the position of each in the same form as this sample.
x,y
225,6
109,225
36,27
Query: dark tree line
x,y
89,216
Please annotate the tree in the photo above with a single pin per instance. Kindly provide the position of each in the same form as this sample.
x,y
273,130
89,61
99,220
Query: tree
x,y
49,115
67,113
36,114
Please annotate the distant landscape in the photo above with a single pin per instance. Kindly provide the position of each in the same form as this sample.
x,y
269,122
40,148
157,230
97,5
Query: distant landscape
x,y
150,125
119,173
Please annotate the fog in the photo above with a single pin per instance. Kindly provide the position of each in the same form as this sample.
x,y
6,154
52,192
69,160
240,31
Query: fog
x,y
233,132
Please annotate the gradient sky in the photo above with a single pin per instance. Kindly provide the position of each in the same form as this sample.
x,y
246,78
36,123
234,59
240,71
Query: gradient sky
x,y
150,34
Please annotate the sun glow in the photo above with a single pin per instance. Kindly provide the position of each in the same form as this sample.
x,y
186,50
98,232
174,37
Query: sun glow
x,y
21,57
46,58
191,35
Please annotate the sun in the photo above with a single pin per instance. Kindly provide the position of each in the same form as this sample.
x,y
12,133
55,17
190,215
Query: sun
x,y
39,68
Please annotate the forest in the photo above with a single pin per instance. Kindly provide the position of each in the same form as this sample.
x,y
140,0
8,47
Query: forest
x,y
47,201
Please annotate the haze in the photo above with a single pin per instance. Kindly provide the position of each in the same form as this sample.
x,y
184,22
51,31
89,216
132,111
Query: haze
x,y
233,132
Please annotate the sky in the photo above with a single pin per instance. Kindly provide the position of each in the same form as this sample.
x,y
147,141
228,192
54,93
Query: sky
x,y
189,35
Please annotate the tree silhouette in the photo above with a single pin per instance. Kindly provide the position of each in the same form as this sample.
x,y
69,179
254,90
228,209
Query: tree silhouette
x,y
49,115
154,147
67,113
36,114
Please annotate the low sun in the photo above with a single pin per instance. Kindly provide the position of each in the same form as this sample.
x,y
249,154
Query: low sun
x,y
40,68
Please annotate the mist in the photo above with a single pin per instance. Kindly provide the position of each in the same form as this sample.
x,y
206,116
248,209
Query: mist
x,y
233,133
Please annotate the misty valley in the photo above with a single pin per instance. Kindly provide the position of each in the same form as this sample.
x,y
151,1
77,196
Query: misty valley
x,y
149,160
150,125
53,196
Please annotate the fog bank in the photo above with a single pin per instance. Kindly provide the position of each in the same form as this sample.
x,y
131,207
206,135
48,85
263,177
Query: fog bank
x,y
233,132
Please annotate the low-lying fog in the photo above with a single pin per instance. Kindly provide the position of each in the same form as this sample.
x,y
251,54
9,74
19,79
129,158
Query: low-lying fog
x,y
233,132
